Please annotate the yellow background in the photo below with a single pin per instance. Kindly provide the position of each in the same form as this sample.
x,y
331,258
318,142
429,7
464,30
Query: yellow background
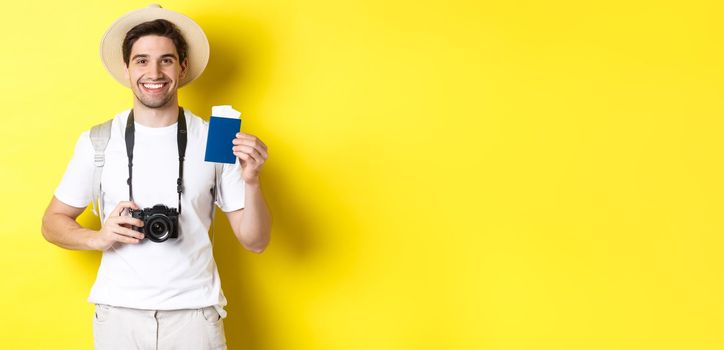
x,y
443,175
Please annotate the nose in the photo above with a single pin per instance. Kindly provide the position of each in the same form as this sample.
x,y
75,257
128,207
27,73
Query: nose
x,y
154,71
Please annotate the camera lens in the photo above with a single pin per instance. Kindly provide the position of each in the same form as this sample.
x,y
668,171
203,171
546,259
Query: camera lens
x,y
158,227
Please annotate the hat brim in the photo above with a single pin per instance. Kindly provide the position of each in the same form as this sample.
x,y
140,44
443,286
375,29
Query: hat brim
x,y
112,51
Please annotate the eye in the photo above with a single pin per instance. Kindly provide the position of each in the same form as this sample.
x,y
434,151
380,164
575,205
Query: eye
x,y
167,60
141,61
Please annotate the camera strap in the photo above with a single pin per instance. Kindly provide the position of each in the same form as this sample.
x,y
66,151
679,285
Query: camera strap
x,y
180,140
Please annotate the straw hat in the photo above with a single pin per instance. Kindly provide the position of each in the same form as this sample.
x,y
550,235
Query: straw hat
x,y
112,52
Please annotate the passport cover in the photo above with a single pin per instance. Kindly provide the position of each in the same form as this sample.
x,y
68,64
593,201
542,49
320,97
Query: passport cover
x,y
218,143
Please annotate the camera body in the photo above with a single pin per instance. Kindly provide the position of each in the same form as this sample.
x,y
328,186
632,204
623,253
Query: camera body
x,y
159,222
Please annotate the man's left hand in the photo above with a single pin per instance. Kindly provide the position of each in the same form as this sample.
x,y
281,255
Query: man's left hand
x,y
252,154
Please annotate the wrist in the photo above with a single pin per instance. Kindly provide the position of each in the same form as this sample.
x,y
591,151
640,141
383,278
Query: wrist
x,y
252,183
92,240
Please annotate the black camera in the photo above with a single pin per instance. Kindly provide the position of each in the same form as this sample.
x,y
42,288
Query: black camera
x,y
159,222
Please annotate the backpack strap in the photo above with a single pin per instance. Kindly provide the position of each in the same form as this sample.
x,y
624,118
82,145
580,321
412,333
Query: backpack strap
x,y
215,197
99,135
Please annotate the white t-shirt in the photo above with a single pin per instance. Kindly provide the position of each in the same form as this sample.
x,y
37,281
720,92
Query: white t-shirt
x,y
175,274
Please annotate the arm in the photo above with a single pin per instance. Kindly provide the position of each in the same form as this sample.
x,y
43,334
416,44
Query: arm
x,y
60,228
252,224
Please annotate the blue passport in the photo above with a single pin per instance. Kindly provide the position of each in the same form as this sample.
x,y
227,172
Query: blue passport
x,y
222,131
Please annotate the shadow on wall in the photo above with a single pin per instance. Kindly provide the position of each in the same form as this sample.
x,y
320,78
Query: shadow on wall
x,y
240,63
234,68
238,73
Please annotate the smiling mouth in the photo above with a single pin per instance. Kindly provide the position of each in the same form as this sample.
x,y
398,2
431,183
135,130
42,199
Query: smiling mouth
x,y
153,87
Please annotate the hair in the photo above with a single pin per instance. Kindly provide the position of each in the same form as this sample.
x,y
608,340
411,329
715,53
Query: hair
x,y
160,27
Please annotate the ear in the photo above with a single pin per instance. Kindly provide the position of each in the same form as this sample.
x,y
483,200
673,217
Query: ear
x,y
184,69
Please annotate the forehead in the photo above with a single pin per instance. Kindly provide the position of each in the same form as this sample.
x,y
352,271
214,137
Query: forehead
x,y
153,45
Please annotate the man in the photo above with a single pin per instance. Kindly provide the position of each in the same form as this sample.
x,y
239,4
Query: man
x,y
158,292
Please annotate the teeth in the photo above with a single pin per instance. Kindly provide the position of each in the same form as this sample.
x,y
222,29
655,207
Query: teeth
x,y
152,86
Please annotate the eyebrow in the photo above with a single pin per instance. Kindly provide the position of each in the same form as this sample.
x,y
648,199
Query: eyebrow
x,y
147,56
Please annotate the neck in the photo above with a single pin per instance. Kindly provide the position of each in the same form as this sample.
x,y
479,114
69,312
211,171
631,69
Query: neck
x,y
156,117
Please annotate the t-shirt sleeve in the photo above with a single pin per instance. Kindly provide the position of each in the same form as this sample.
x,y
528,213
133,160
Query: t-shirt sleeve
x,y
75,186
231,188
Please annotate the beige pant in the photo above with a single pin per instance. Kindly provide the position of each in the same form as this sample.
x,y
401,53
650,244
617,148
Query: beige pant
x,y
124,328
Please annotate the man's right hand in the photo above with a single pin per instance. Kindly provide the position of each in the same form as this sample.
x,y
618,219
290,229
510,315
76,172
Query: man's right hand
x,y
117,228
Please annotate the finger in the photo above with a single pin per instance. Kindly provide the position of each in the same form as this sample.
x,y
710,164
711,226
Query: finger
x,y
124,239
122,205
254,152
242,137
248,137
127,232
249,162
243,149
261,151
128,220
250,141
254,156
244,157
